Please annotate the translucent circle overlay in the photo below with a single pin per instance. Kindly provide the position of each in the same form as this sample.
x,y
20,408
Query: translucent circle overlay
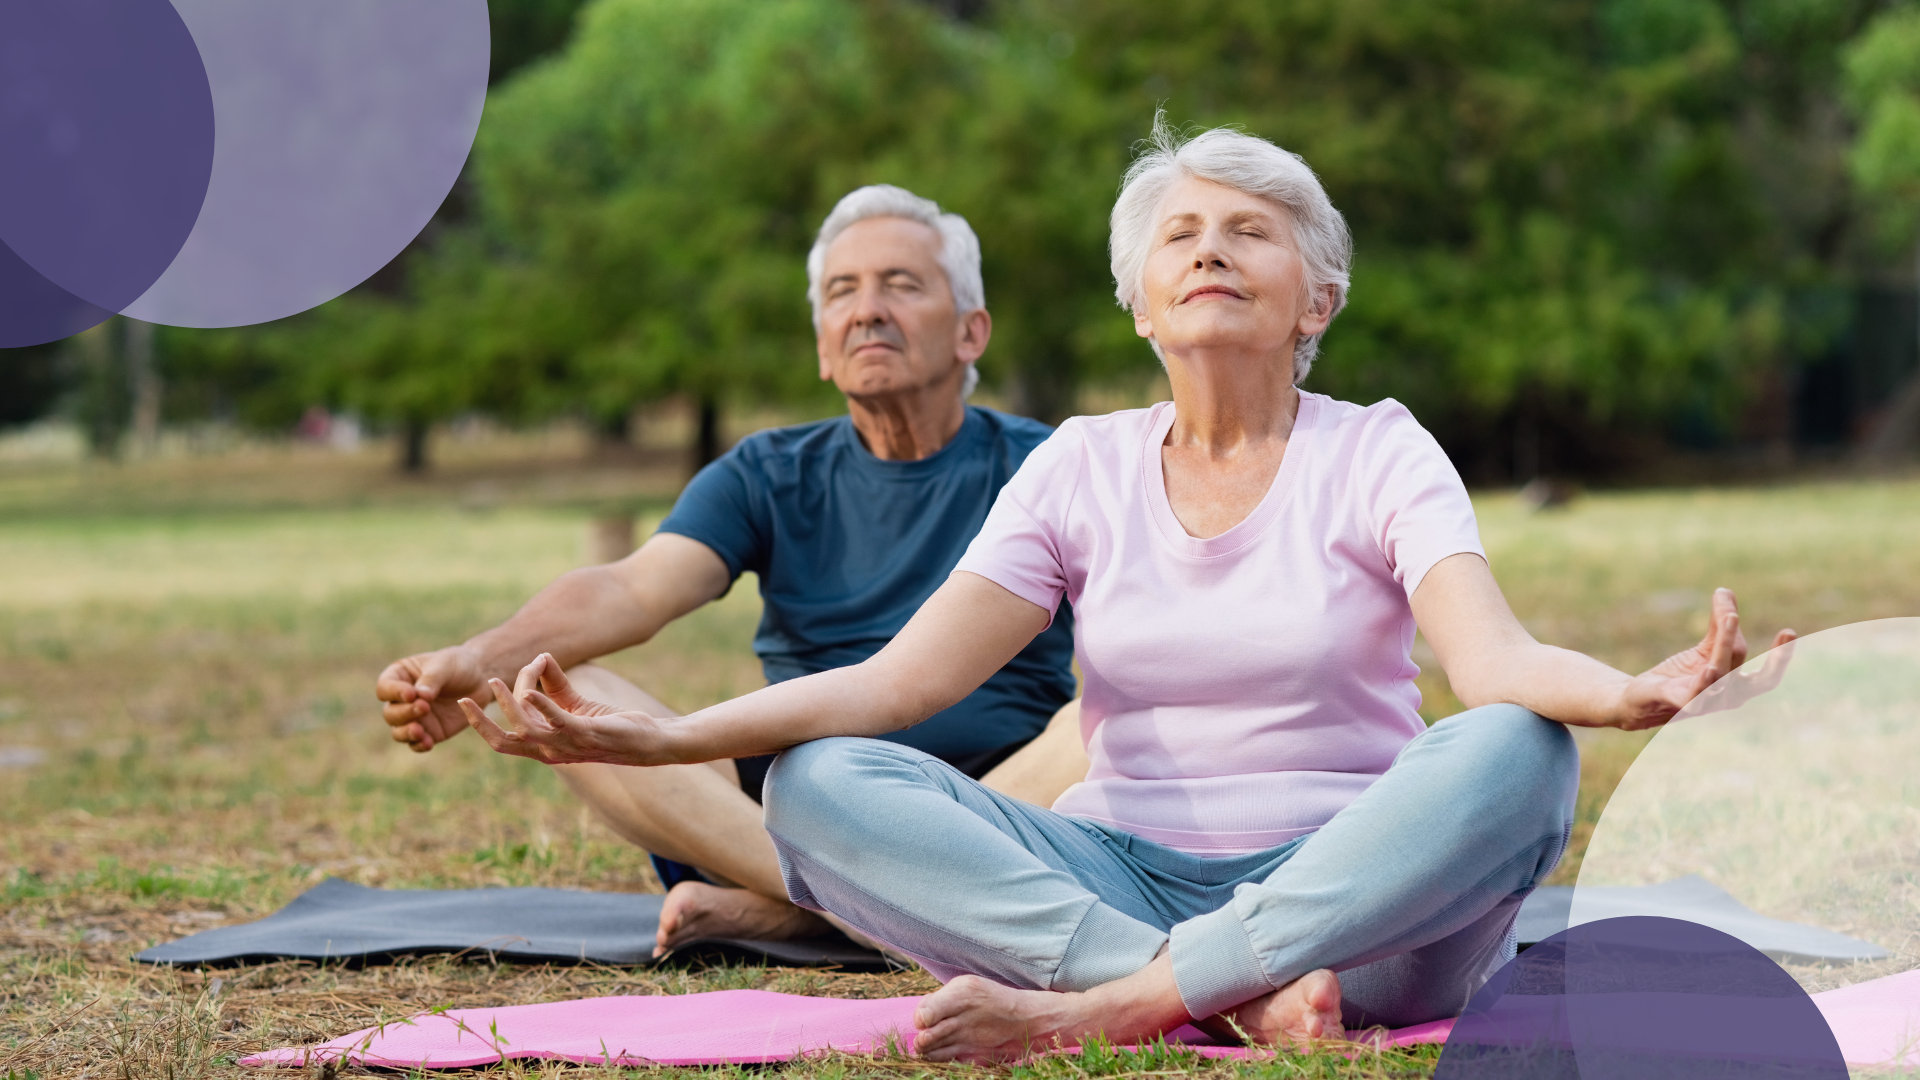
x,y
1792,789
342,126
1641,998
222,162
107,132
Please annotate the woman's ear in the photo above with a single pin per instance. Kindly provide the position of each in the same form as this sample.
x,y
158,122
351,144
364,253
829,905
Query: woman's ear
x,y
1319,313
1142,324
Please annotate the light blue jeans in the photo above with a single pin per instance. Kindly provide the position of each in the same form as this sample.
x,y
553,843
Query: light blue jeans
x,y
1409,892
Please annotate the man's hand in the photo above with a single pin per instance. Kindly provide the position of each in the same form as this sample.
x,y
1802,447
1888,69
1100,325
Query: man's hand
x,y
419,693
559,727
1667,687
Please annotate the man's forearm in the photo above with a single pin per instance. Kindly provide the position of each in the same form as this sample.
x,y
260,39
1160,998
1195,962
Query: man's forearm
x,y
584,614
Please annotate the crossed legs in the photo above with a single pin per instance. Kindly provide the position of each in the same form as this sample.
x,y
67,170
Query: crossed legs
x,y
697,814
1052,928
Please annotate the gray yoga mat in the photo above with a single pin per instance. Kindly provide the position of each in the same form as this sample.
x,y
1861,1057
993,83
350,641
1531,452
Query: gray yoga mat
x,y
1695,899
353,924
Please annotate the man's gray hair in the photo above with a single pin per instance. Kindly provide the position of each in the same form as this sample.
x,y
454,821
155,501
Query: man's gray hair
x,y
1245,163
959,255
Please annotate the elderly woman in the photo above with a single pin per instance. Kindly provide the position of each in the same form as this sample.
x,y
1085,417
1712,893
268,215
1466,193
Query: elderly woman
x,y
1268,833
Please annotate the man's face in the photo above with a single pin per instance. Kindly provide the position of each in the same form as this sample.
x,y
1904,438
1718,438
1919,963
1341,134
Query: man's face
x,y
887,319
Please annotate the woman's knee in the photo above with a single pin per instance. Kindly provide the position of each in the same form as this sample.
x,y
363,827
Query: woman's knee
x,y
829,780
1519,746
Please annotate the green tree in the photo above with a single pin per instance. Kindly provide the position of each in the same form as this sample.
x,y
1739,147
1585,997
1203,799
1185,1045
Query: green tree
x,y
1565,212
1883,89
646,198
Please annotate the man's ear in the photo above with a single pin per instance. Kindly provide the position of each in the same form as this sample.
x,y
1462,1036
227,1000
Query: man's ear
x,y
826,366
975,329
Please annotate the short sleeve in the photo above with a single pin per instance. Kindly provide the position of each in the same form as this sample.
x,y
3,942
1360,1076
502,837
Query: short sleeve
x,y
1417,506
1019,547
719,509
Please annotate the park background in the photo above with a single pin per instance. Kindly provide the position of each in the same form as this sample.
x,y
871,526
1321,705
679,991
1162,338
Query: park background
x,y
1647,268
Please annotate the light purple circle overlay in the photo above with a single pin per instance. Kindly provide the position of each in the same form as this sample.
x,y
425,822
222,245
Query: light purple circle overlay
x,y
342,126
107,131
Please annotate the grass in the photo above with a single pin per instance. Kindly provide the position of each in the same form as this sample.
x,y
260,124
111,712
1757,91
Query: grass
x,y
187,735
1810,810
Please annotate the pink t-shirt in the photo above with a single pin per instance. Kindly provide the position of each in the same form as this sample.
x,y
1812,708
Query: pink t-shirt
x,y
1239,690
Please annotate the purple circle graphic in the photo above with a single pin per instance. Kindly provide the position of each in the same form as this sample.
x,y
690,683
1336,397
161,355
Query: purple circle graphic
x,y
34,311
106,125
1641,998
343,124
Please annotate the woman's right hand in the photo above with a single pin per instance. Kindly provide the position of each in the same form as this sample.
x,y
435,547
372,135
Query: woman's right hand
x,y
552,723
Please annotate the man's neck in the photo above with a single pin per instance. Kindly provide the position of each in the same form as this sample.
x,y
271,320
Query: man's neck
x,y
908,425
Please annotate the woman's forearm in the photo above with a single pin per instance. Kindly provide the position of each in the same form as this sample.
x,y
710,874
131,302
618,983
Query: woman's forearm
x,y
853,700
1490,658
1559,684
965,632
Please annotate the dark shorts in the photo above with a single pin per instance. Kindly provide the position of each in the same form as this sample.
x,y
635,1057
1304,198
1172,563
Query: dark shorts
x,y
753,770
753,781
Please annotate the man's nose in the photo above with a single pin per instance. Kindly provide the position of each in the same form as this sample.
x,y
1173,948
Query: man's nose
x,y
869,308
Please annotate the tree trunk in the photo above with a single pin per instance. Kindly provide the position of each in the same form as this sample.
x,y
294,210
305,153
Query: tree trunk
x,y
615,432
706,439
413,446
103,389
145,384
1896,431
609,538
1045,391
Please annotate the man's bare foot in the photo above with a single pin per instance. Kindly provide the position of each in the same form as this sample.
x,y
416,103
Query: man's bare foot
x,y
973,1019
695,910
1297,1015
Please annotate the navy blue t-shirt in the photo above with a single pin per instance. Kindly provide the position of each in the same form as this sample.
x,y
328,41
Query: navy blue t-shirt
x,y
848,546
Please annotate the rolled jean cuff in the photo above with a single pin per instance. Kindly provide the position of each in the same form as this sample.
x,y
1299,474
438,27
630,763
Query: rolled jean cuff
x,y
1105,946
1214,965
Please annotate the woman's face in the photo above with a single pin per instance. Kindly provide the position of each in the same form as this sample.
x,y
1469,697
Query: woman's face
x,y
1223,272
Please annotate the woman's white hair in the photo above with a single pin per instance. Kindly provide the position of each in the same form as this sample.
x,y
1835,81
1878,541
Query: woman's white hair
x,y
1245,163
959,254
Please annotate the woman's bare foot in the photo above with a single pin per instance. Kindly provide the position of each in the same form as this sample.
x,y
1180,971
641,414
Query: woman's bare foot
x,y
1305,1011
973,1019
695,910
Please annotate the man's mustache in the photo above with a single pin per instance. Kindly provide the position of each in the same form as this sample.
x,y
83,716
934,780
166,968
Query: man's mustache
x,y
884,334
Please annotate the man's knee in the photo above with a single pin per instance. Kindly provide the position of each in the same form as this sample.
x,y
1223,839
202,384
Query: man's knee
x,y
596,683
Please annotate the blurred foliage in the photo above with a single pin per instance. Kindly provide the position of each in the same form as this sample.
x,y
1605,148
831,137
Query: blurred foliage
x,y
1883,90
1603,214
31,381
1593,209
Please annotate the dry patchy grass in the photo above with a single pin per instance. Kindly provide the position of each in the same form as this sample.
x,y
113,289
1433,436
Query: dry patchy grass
x,y
187,736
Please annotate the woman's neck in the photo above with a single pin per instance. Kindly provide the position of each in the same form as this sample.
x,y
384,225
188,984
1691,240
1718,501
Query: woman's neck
x,y
1232,418
1225,406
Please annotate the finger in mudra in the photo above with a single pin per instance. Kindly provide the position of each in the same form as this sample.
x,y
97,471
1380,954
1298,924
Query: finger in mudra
x,y
1666,688
548,720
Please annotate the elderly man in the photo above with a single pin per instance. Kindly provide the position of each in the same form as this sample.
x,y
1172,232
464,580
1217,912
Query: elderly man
x,y
849,523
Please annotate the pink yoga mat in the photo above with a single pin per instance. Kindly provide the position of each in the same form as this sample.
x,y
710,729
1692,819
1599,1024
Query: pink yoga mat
x,y
1875,1022
723,1027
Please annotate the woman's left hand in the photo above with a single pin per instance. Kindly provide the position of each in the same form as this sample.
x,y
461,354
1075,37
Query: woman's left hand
x,y
560,727
1654,697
